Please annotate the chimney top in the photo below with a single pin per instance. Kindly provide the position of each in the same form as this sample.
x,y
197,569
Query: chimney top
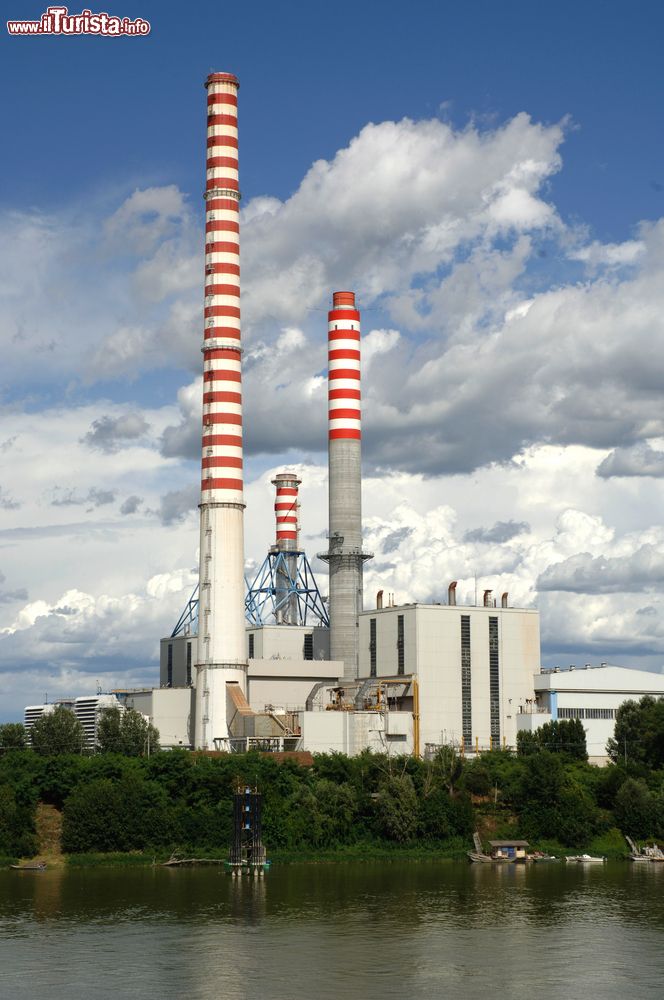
x,y
343,299
222,78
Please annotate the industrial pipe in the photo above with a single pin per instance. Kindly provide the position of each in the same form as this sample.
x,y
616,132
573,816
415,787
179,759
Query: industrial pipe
x,y
416,718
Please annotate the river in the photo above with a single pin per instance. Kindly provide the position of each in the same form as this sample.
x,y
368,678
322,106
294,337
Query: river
x,y
373,931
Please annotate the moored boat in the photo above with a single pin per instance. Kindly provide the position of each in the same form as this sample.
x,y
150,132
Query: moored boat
x,y
585,859
478,857
647,854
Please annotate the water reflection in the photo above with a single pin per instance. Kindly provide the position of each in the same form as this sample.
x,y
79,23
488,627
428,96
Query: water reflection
x,y
375,930
247,899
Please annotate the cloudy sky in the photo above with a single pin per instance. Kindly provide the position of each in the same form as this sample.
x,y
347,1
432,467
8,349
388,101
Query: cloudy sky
x,y
488,178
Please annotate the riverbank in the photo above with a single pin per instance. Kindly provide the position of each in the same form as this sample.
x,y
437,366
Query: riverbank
x,y
611,845
352,853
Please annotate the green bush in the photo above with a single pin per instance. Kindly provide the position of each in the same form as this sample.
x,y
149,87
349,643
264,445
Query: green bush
x,y
635,808
125,815
396,809
17,830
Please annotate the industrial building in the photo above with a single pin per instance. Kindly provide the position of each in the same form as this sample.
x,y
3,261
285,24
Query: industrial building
x,y
271,663
473,666
86,708
592,694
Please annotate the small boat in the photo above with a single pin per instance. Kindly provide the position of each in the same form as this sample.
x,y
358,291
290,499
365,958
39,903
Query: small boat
x,y
585,859
30,866
651,855
539,856
645,854
478,857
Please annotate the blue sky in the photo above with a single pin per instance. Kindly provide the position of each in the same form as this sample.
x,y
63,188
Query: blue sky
x,y
488,177
130,111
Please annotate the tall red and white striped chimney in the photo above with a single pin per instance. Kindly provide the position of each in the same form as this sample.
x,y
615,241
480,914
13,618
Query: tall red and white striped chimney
x,y
345,556
221,625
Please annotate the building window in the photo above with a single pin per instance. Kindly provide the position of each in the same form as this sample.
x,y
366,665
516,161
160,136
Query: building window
x,y
169,666
466,701
401,655
586,713
494,682
309,646
251,646
188,664
372,647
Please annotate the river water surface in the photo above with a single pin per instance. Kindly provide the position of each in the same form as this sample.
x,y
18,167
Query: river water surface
x,y
372,931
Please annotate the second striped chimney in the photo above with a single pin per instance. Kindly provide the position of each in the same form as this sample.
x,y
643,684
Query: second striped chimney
x,y
345,556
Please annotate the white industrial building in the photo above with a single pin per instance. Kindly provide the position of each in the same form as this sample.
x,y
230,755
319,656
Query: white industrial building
x,y
33,712
592,694
86,708
473,666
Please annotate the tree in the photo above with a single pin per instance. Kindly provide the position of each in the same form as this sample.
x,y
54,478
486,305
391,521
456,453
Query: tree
x,y
445,769
127,732
635,808
58,731
397,808
565,736
573,738
109,737
337,805
527,743
638,736
476,778
13,736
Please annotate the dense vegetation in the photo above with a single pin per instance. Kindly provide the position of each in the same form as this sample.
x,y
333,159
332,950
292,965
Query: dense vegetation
x,y
547,793
113,802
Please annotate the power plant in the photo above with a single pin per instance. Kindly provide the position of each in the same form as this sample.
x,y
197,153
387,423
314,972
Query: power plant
x,y
268,664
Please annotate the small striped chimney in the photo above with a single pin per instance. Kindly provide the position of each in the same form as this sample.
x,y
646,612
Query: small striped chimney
x,y
345,556
221,625
286,508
